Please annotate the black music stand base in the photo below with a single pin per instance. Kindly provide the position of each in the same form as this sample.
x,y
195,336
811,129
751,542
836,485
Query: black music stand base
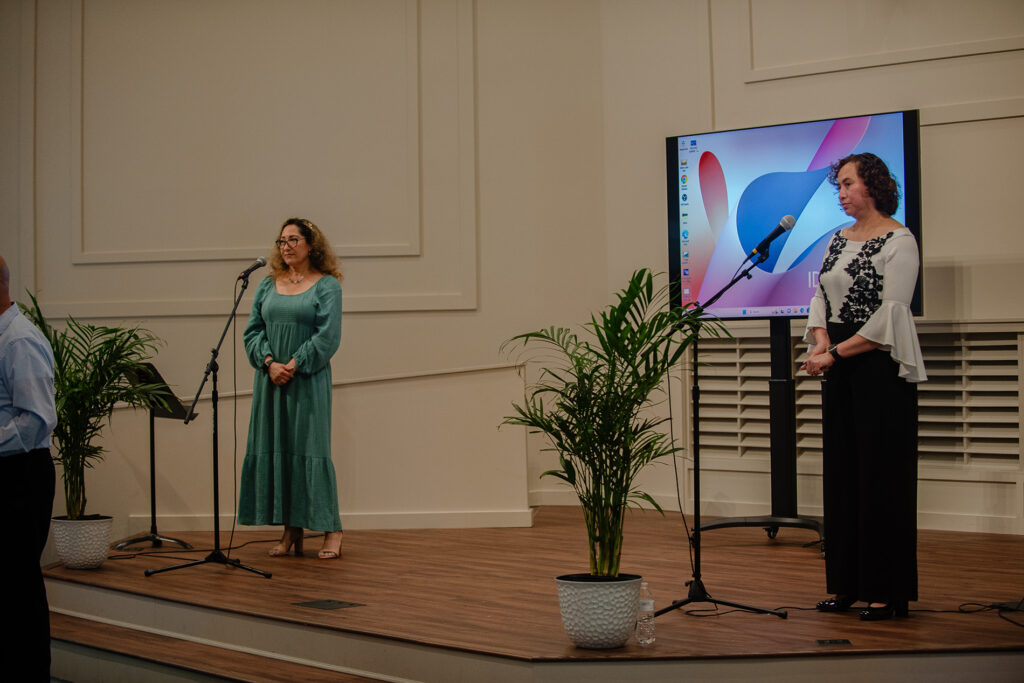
x,y
216,557
156,539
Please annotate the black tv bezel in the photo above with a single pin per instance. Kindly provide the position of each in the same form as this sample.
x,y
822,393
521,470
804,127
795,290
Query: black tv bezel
x,y
910,198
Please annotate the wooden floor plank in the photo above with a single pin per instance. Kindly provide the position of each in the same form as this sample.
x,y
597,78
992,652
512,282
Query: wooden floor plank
x,y
491,591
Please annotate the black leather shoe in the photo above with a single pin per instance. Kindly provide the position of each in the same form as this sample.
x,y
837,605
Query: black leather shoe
x,y
889,611
840,603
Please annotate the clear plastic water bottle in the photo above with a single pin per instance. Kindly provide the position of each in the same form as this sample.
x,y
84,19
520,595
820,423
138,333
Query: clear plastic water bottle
x,y
645,617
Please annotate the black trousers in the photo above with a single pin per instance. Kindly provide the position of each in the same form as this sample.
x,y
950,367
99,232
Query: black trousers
x,y
869,416
26,504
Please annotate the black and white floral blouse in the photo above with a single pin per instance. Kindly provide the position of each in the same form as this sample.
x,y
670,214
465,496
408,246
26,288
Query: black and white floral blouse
x,y
871,284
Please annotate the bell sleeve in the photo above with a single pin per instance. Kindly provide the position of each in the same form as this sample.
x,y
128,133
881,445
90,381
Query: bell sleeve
x,y
892,325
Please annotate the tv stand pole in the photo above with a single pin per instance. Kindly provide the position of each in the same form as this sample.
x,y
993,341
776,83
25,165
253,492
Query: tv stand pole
x,y
782,405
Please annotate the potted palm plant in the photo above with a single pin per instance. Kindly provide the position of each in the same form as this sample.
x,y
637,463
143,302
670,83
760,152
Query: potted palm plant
x,y
95,368
592,402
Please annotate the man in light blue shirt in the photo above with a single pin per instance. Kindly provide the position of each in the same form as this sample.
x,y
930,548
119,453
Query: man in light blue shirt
x,y
27,418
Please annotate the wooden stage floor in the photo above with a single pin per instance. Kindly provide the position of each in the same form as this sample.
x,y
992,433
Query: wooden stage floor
x,y
489,595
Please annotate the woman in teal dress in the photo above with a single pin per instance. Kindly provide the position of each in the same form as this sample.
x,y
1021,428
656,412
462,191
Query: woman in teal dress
x,y
293,330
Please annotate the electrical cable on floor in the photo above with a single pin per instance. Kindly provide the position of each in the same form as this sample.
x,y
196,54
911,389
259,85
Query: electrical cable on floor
x,y
168,553
1002,609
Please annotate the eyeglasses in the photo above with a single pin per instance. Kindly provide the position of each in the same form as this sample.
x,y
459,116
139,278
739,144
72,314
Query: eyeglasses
x,y
292,241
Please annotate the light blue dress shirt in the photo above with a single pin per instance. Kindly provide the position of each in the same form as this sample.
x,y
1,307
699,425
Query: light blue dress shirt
x,y
27,411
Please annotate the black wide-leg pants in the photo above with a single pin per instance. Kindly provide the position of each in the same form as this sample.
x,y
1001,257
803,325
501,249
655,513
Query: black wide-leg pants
x,y
869,418
26,504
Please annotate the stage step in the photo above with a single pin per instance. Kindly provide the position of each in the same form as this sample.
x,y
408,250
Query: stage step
x,y
216,663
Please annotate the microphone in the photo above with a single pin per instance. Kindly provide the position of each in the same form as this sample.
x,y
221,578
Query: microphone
x,y
259,263
785,224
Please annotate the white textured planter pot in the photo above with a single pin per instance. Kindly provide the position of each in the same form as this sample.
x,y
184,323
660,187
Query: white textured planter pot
x,y
82,543
598,612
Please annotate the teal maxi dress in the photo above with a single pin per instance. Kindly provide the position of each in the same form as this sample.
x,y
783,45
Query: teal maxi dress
x,y
287,476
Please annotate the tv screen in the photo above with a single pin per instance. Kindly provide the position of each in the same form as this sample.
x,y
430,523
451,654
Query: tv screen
x,y
728,190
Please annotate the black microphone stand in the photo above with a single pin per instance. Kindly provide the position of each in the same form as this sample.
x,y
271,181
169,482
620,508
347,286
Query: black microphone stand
x,y
697,592
217,556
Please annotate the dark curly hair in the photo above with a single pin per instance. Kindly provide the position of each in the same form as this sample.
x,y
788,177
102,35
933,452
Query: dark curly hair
x,y
881,184
321,254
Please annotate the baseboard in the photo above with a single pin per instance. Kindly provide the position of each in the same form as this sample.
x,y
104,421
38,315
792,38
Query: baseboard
x,y
464,519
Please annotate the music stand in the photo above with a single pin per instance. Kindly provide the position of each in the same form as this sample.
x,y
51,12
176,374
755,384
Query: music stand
x,y
174,410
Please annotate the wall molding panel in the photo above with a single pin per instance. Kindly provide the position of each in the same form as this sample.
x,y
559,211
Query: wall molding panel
x,y
185,133
420,450
964,112
871,34
895,57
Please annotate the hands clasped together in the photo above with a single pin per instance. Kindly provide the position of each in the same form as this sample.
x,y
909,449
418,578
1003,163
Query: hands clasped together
x,y
819,360
281,373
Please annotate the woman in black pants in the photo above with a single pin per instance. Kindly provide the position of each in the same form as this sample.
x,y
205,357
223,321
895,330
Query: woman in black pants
x,y
864,341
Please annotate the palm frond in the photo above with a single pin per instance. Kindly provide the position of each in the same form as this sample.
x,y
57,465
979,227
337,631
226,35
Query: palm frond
x,y
95,369
592,401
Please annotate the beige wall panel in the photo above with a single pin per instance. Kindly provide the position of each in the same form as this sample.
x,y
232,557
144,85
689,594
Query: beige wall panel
x,y
238,109
436,451
408,452
16,158
186,132
971,237
657,81
992,506
856,89
799,37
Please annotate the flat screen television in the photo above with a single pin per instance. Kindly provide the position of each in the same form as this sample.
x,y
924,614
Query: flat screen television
x,y
727,190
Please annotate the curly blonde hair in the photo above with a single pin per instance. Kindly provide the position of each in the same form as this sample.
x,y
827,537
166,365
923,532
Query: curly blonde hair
x,y
321,254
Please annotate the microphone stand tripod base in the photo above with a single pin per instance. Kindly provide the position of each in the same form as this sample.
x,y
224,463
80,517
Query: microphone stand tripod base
x,y
216,557
698,593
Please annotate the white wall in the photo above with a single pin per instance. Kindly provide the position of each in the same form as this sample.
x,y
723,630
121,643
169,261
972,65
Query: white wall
x,y
152,149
